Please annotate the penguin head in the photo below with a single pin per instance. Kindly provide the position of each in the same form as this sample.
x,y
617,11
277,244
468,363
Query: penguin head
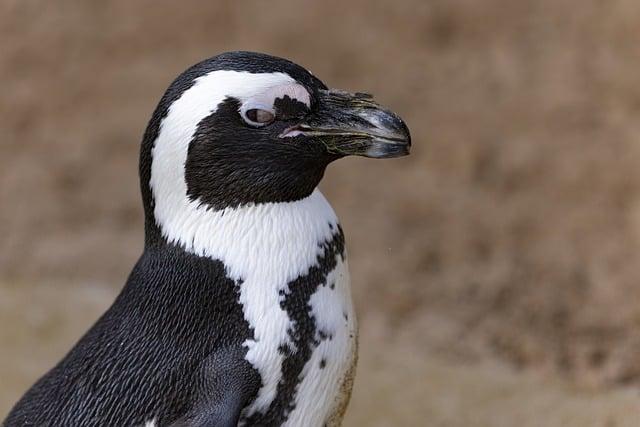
x,y
247,128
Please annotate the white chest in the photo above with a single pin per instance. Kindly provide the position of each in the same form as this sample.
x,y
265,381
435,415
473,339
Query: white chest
x,y
318,332
321,392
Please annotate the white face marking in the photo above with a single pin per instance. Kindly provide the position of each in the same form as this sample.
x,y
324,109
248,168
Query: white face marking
x,y
266,245
172,206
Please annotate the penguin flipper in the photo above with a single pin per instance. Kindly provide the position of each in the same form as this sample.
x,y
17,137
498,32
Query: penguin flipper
x,y
226,384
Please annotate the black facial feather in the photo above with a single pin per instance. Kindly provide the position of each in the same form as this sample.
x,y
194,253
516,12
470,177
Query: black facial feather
x,y
290,109
230,164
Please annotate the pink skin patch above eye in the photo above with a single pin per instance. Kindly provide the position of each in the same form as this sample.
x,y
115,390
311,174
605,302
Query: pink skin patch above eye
x,y
290,133
293,91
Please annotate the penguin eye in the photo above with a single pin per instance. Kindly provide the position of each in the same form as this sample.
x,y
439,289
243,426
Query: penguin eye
x,y
259,117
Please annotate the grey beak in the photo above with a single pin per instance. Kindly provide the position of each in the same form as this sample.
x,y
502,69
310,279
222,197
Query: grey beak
x,y
353,124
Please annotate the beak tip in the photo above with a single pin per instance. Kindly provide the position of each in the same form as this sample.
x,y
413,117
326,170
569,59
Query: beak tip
x,y
396,142
407,134
380,149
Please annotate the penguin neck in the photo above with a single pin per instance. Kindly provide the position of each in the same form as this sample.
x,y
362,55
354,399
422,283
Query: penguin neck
x,y
283,238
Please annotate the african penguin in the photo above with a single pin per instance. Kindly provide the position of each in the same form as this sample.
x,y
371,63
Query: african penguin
x,y
239,310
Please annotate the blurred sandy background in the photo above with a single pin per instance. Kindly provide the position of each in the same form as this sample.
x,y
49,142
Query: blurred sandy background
x,y
496,271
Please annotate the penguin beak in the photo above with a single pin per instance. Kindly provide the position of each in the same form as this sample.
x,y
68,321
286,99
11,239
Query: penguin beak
x,y
353,124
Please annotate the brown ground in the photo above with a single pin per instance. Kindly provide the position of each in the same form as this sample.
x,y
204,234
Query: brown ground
x,y
495,270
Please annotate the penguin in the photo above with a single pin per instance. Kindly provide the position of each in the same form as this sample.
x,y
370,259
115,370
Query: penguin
x,y
239,310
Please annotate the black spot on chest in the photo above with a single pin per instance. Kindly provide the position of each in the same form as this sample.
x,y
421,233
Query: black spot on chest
x,y
303,332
